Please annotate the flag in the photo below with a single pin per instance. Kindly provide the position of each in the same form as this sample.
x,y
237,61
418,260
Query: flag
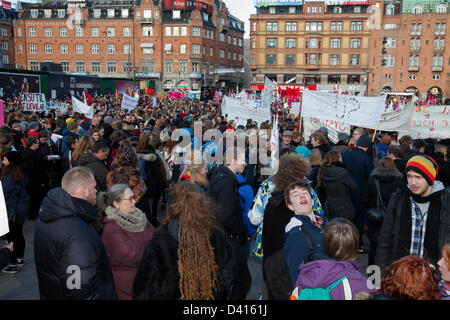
x,y
82,107
269,87
117,95
87,98
274,142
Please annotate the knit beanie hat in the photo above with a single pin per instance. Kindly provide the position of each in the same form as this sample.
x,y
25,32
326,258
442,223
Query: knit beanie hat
x,y
13,157
85,125
71,125
423,165
303,151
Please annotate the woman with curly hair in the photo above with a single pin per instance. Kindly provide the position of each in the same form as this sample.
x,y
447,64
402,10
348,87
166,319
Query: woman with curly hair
x,y
409,278
189,257
444,269
84,146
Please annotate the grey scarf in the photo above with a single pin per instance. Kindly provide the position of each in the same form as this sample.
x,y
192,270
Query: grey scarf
x,y
131,222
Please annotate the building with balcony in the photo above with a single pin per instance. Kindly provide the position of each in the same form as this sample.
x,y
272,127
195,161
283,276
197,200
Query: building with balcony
x,y
409,52
175,44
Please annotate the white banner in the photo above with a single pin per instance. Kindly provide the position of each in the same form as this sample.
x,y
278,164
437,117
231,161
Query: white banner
x,y
355,110
128,102
313,124
32,101
269,87
241,110
4,227
81,107
430,122
295,108
58,106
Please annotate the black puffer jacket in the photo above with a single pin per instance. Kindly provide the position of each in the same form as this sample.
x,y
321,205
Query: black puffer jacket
x,y
158,277
97,166
65,236
338,185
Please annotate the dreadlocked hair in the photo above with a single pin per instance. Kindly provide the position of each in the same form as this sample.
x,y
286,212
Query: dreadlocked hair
x,y
196,259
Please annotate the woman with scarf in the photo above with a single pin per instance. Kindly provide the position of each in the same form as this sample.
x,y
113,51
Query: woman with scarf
x,y
125,234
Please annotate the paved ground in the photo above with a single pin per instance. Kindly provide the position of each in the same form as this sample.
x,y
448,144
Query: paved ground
x,y
24,286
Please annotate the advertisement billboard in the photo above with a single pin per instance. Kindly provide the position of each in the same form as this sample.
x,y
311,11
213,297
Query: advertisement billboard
x,y
187,5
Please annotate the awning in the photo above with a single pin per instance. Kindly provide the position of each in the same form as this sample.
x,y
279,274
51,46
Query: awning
x,y
146,45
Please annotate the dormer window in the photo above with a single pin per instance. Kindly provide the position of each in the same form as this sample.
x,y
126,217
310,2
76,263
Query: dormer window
x,y
48,13
97,13
124,13
176,14
34,13
111,13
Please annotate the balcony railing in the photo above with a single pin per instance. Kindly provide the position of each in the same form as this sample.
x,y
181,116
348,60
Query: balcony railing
x,y
147,20
436,68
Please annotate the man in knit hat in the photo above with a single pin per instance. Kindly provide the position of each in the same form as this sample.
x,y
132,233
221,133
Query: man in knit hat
x,y
417,219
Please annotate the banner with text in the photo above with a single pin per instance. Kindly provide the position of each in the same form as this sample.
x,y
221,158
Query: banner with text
x,y
430,122
33,101
313,124
240,110
128,102
355,110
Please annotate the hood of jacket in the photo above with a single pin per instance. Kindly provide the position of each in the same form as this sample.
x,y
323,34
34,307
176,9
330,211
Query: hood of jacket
x,y
321,273
86,159
218,173
386,174
333,173
147,156
59,204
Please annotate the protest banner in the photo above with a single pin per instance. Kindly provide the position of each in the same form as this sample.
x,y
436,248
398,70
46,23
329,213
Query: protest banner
x,y
32,101
355,110
128,102
57,106
4,227
240,110
430,122
313,124
295,108
83,108
269,88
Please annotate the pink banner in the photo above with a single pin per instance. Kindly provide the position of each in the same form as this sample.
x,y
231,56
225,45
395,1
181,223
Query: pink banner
x,y
2,116
175,95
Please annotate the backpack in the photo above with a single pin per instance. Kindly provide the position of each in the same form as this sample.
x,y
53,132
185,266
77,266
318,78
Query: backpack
x,y
321,293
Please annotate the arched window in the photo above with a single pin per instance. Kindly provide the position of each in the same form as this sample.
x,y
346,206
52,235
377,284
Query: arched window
x,y
417,9
441,8
390,9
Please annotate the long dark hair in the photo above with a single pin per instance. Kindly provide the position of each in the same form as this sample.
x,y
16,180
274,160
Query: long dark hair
x,y
14,170
331,158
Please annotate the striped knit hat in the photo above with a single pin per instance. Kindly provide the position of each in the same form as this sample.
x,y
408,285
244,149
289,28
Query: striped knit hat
x,y
423,165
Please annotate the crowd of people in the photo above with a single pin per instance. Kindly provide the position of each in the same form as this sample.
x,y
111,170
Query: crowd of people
x,y
126,204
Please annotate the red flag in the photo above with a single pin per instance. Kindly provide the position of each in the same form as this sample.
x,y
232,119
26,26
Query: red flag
x,y
88,98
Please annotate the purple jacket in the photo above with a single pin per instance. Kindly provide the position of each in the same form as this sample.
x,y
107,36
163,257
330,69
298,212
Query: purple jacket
x,y
322,273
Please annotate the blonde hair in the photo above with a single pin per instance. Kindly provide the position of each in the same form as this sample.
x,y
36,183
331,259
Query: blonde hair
x,y
85,144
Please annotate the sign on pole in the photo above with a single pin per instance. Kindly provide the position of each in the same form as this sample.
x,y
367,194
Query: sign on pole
x,y
33,101
128,102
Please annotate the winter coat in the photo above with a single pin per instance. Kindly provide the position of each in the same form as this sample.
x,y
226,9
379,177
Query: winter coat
x,y
158,277
16,198
124,250
323,148
223,188
444,173
338,185
313,176
296,248
90,161
153,172
390,181
342,147
411,153
388,249
246,197
382,150
322,273
35,167
66,133
65,236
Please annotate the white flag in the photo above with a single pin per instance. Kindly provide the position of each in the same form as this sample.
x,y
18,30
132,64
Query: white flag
x,y
81,107
269,87
274,143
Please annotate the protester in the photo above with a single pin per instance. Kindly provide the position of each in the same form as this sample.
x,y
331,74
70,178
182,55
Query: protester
x,y
65,237
94,159
189,257
83,147
396,154
320,141
444,269
342,144
125,234
315,161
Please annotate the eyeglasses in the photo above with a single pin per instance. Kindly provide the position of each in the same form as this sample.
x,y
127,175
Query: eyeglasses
x,y
129,199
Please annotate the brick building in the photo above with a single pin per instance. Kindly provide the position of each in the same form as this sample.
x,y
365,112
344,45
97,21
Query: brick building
x,y
170,42
6,40
414,56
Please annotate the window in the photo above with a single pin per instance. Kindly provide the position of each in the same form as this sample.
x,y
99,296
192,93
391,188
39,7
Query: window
x,y
356,26
441,8
169,67
126,32
182,48
148,66
94,32
271,59
414,43
290,59
354,59
337,10
417,9
33,48
147,49
184,31
61,13
334,59
335,43
292,10
229,39
78,32
80,48
204,50
234,56
272,10
291,26
65,66
95,49
291,43
32,32
168,48
95,66
438,43
147,31
313,9
34,65
440,29
176,14
19,32
355,43
111,31
222,37
390,26
234,41
336,25
79,66
391,42
271,43
437,61
183,66
63,32
4,44
313,26
416,29
19,49
412,77
229,55
126,48
390,61
313,43
111,66
34,13
222,53
195,67
271,26
390,9
240,42
124,13
195,49
97,13
222,20
127,66
5,58
111,48
147,13
111,14
64,48
48,48
413,61
47,32
254,26
47,13
196,31
313,58
357,9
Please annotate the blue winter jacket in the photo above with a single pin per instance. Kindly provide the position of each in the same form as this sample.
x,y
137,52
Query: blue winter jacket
x,y
16,197
246,198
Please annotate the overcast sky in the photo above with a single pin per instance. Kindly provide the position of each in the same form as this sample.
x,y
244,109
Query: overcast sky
x,y
242,9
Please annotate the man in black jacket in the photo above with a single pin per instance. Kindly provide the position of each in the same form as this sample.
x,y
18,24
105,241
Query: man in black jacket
x,y
417,219
96,162
224,190
71,261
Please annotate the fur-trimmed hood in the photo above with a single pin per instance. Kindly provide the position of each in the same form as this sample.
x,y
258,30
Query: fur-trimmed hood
x,y
147,156
386,174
